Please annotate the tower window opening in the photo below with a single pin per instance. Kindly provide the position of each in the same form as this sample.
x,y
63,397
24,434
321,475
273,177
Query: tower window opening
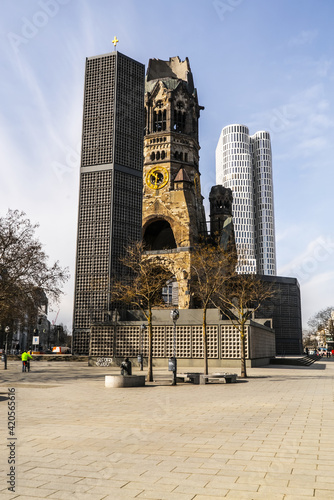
x,y
179,121
159,120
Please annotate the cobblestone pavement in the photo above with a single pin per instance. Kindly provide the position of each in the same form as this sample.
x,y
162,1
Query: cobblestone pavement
x,y
268,437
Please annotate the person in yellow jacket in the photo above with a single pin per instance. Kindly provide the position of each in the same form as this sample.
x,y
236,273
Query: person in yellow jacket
x,y
25,360
29,358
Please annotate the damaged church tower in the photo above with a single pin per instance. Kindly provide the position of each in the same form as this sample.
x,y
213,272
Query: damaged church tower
x,y
173,211
221,220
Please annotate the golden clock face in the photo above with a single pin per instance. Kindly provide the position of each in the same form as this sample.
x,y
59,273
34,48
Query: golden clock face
x,y
157,177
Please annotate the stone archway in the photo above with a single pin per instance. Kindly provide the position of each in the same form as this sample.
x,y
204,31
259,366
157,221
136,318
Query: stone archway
x,y
159,235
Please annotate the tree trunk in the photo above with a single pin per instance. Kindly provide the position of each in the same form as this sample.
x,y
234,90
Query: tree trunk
x,y
205,344
149,377
243,351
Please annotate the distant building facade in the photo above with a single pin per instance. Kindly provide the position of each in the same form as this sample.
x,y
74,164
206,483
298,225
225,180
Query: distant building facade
x,y
284,309
33,323
244,164
111,173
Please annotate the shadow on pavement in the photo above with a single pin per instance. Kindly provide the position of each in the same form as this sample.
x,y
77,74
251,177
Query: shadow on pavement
x,y
315,366
3,396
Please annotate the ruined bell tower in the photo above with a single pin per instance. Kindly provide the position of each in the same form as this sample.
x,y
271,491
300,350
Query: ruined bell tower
x,y
173,211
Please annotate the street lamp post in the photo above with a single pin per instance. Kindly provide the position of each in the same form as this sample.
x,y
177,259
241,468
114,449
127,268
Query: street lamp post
x,y
174,314
7,329
140,355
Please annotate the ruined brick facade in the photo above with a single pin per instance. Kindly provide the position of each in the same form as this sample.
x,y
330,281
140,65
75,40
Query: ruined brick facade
x,y
173,211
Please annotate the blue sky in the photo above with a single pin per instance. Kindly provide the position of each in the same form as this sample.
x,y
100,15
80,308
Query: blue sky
x,y
268,65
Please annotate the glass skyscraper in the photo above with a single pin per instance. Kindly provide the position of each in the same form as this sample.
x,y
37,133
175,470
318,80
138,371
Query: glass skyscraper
x,y
244,164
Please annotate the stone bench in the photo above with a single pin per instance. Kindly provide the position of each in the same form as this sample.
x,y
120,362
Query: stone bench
x,y
227,378
124,381
199,378
192,377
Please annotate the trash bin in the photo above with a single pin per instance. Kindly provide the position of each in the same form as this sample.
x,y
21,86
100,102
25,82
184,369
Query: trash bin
x,y
172,364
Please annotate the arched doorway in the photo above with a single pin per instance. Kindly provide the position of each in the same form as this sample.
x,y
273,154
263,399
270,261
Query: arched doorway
x,y
159,236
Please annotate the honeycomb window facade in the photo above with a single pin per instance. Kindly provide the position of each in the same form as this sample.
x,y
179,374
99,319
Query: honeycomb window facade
x,y
125,341
110,192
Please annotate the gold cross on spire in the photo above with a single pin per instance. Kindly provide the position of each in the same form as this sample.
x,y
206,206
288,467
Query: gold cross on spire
x,y
115,41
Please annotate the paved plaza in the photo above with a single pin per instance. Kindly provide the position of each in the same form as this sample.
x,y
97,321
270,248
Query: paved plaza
x,y
268,437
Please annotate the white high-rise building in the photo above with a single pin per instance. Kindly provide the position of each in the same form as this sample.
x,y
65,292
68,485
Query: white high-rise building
x,y
244,164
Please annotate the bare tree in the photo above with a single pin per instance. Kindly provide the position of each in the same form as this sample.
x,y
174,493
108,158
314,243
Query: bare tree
x,y
323,321
211,266
309,340
241,296
142,287
24,271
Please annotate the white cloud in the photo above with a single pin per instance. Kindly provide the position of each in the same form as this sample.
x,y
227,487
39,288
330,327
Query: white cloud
x,y
287,233
310,146
317,294
303,38
307,264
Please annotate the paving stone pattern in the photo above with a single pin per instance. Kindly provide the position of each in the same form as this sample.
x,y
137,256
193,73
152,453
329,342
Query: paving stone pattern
x,y
268,437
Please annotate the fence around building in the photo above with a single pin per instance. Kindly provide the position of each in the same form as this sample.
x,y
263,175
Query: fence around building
x,y
128,339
